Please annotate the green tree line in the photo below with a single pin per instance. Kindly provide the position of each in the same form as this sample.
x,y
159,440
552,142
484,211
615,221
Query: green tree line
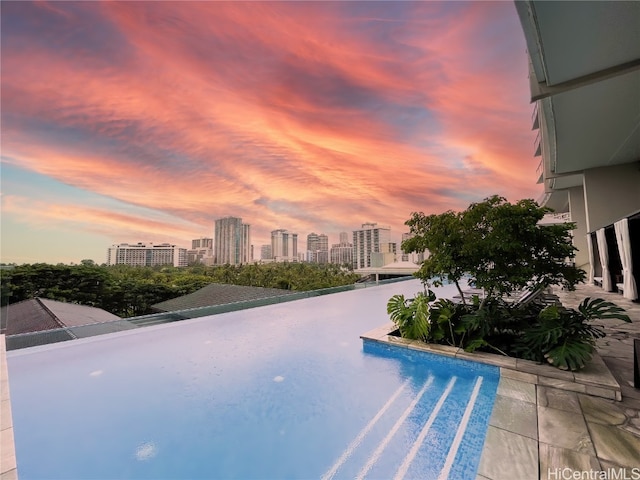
x,y
130,291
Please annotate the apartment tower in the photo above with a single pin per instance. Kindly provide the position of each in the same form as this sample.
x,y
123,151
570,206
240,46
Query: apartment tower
x,y
284,246
318,248
147,255
232,241
368,240
342,253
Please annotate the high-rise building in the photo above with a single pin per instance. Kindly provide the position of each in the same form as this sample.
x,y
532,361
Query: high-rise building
x,y
201,243
284,246
385,255
232,241
415,257
317,248
265,252
147,255
366,241
201,251
342,253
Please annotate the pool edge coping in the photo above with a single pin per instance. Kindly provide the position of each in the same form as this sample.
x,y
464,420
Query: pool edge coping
x,y
595,379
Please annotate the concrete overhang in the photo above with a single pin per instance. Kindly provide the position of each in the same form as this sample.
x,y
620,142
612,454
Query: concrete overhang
x,y
558,201
585,63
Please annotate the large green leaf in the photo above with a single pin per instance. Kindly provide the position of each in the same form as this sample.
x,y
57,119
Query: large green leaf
x,y
571,354
601,309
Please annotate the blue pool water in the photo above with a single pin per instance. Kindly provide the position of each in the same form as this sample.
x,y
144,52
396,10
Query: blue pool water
x,y
283,391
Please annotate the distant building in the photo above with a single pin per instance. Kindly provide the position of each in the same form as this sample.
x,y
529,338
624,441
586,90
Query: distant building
x,y
318,248
147,255
415,257
203,242
284,246
342,253
366,241
232,241
201,251
265,252
385,255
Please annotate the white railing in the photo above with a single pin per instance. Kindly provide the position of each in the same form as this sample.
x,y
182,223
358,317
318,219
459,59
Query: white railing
x,y
559,217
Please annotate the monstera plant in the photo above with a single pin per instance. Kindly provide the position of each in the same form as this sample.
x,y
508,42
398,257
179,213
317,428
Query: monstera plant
x,y
565,337
411,315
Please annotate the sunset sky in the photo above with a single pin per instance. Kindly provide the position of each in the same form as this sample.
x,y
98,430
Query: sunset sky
x,y
146,121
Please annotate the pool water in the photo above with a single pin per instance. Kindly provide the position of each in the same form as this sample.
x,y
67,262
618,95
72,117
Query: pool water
x,y
283,391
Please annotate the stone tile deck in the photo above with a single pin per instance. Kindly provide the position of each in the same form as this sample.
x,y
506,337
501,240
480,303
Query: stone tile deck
x,y
8,467
550,424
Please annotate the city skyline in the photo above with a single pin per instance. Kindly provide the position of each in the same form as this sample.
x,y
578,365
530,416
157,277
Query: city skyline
x,y
145,121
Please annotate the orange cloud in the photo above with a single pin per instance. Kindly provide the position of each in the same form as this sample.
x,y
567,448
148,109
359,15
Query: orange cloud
x,y
305,116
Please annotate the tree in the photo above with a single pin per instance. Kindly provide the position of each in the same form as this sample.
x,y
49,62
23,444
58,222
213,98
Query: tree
x,y
444,237
499,245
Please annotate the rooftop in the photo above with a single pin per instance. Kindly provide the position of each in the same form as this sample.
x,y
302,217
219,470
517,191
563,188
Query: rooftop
x,y
39,314
218,294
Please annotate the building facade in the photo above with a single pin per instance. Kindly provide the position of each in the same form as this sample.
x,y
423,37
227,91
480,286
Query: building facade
x,y
585,86
414,257
317,248
201,251
202,243
232,241
147,255
342,253
265,252
284,246
368,240
385,255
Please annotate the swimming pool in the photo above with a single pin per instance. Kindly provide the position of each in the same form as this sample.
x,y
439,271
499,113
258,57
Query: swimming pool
x,y
283,391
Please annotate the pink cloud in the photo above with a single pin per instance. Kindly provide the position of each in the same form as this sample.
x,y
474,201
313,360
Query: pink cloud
x,y
284,113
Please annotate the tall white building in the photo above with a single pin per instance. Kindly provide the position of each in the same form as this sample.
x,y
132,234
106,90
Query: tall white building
x,y
284,246
232,241
342,253
201,251
147,255
265,252
318,248
202,243
366,241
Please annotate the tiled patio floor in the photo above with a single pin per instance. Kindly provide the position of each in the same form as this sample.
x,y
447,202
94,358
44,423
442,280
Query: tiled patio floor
x,y
549,424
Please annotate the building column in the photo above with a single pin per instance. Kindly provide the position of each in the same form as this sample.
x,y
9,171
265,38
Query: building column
x,y
579,218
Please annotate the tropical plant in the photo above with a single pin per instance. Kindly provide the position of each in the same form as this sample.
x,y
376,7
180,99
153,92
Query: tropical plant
x,y
565,337
501,248
411,316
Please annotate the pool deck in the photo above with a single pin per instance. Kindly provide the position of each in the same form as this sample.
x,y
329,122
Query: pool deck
x,y
546,423
551,424
8,468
